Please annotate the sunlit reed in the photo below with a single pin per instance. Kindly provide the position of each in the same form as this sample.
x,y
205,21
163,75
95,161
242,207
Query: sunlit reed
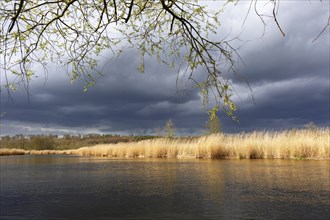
x,y
288,144
7,151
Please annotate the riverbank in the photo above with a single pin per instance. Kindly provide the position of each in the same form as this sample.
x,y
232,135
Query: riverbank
x,y
289,144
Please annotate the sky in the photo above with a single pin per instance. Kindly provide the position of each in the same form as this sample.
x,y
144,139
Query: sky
x,y
289,78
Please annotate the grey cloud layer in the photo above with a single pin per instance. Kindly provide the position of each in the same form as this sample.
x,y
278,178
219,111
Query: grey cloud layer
x,y
122,100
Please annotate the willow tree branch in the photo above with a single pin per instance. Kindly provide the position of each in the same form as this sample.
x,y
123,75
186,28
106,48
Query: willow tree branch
x,y
14,19
129,11
115,7
322,30
275,19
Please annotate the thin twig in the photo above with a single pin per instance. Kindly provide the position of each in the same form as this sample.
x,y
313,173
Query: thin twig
x,y
278,25
322,30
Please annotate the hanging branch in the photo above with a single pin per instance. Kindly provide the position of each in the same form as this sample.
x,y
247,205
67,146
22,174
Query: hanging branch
x,y
129,11
14,19
274,15
322,30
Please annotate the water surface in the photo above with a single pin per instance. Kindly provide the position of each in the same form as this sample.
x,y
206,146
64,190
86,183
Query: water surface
x,y
68,187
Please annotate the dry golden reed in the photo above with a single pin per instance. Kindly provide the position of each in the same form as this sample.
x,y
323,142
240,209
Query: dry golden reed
x,y
13,151
7,151
289,144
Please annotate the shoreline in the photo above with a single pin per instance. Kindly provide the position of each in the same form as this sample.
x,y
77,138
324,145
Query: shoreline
x,y
289,144
45,152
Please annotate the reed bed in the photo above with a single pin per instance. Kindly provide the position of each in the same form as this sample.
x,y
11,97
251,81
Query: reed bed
x,y
14,151
289,144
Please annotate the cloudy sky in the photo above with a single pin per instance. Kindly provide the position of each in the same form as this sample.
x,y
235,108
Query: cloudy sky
x,y
289,77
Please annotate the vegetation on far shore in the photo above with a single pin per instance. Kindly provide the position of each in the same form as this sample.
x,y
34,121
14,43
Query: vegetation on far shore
x,y
67,142
288,144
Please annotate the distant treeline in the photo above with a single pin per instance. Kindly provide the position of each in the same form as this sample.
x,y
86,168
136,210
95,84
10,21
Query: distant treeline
x,y
54,142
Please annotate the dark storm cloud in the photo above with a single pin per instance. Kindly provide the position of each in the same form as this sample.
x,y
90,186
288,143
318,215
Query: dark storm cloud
x,y
297,55
281,61
287,105
121,100
289,78
290,83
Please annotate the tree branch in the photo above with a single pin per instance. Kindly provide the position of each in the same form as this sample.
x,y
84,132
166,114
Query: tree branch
x,y
14,19
322,30
129,11
274,15
115,7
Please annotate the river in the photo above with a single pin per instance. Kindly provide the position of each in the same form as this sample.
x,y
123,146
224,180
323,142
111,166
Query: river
x,y
72,187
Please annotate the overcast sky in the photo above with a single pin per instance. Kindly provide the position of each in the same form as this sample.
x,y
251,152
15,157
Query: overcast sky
x,y
289,77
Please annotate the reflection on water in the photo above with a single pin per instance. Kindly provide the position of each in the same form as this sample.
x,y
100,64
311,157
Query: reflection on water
x,y
66,187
